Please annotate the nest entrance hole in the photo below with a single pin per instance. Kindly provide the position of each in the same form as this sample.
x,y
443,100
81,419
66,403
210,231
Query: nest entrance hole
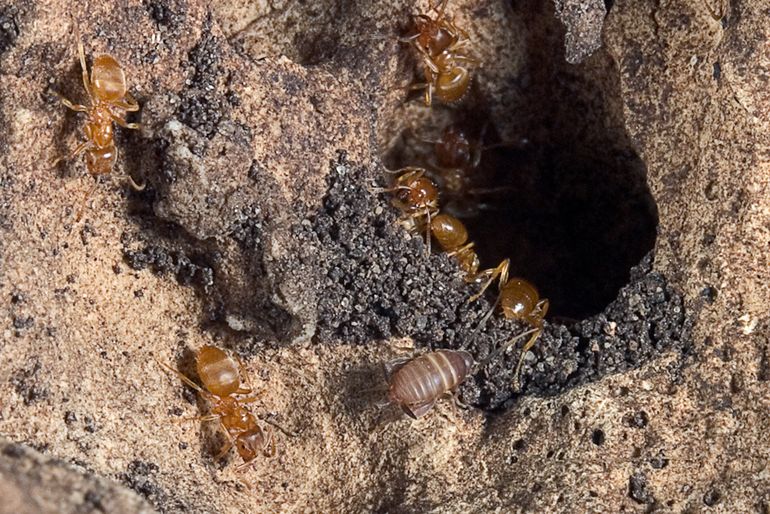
x,y
566,199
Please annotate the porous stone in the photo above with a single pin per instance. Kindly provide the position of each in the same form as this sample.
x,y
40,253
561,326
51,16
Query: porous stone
x,y
639,181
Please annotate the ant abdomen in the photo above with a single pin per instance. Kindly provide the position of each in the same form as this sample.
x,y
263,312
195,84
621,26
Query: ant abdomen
x,y
108,79
100,160
453,79
449,231
218,372
520,300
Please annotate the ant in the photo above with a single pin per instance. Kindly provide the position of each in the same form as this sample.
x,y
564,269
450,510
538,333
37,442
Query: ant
x,y
221,382
454,163
442,47
452,236
519,300
109,101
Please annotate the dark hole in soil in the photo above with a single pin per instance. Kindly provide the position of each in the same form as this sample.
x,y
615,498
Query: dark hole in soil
x,y
567,201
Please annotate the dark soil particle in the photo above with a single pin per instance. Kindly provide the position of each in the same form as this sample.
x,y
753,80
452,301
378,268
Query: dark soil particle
x,y
9,28
25,383
142,477
637,489
638,419
167,13
659,461
380,283
711,497
187,270
203,106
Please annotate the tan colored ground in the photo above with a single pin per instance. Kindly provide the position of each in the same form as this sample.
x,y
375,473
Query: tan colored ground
x,y
80,327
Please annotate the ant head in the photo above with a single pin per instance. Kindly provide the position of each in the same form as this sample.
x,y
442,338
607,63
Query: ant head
x,y
107,79
453,149
419,192
250,443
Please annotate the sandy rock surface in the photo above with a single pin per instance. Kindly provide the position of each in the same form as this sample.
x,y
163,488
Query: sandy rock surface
x,y
640,206
32,483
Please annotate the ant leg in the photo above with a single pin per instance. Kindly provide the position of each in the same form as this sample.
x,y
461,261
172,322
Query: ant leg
x,y
128,103
207,417
286,431
69,104
540,310
269,443
427,233
83,67
240,468
74,153
408,39
429,95
461,250
249,389
409,172
439,8
485,318
85,200
242,369
524,351
131,181
228,445
185,379
120,121
460,59
134,185
718,13
535,332
490,274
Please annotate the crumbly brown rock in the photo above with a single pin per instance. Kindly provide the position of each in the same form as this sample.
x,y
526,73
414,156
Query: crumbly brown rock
x,y
659,140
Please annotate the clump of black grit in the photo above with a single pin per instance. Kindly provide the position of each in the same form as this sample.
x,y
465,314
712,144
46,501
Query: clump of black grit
x,y
142,477
9,28
203,106
380,283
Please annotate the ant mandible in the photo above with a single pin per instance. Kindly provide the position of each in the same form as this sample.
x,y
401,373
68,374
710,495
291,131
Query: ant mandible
x,y
109,101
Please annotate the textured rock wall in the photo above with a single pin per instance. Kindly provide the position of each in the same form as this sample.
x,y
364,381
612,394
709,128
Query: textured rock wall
x,y
245,113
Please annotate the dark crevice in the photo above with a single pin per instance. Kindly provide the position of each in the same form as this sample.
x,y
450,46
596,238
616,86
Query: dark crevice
x,y
380,284
567,202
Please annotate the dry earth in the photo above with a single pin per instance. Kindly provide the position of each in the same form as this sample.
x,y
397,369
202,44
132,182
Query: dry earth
x,y
263,125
